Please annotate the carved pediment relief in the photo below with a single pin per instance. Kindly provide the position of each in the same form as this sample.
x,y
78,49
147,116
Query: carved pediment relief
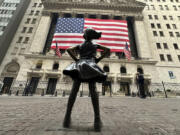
x,y
121,5
96,2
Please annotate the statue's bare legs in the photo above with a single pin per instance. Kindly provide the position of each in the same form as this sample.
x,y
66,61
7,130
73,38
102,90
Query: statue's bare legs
x,y
95,102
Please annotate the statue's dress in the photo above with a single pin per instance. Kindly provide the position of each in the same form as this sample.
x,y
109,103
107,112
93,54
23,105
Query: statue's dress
x,y
85,69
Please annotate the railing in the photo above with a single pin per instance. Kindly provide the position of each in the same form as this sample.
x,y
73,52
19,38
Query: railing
x,y
163,89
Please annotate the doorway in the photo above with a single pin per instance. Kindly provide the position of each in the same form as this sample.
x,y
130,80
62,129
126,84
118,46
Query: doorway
x,y
51,86
33,84
7,85
106,87
124,86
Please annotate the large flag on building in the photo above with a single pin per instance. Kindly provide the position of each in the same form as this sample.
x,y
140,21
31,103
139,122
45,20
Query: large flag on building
x,y
69,32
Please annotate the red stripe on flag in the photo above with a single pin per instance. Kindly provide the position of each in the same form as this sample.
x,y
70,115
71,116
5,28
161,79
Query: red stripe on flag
x,y
110,29
97,24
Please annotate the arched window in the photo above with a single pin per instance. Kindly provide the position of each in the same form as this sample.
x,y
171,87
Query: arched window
x,y
140,70
39,64
106,68
55,66
123,70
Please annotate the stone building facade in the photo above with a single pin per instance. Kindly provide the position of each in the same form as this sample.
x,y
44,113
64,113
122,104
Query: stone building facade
x,y
30,62
11,13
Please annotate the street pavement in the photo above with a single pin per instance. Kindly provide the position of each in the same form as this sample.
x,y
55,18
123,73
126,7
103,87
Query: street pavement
x,y
120,116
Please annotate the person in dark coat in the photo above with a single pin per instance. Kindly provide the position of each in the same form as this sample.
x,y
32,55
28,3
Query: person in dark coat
x,y
140,83
86,69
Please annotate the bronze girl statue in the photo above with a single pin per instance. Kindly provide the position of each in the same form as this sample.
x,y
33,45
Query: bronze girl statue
x,y
85,69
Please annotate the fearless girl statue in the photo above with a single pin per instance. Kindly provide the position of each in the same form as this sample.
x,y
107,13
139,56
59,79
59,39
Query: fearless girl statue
x,y
85,69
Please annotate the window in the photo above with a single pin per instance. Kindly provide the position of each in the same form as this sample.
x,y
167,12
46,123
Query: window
x,y
35,4
164,17
2,28
152,25
123,70
150,16
170,17
24,30
37,12
55,66
40,4
162,57
167,8
32,12
28,20
158,45
153,8
26,40
169,57
161,7
174,26
156,17
168,26
159,26
155,33
175,46
20,40
179,57
175,8
30,30
33,21
177,34
39,65
171,34
165,45
106,68
161,33
178,18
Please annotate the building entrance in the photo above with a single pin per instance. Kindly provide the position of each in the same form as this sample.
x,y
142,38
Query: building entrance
x,y
124,86
33,85
51,86
106,87
7,85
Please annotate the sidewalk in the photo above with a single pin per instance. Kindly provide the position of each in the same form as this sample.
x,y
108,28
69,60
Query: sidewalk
x,y
120,116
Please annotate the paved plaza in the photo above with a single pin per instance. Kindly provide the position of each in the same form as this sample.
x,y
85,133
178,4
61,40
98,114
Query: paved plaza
x,y
120,116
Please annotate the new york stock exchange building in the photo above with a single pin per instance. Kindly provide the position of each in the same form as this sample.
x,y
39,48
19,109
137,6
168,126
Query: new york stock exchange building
x,y
30,61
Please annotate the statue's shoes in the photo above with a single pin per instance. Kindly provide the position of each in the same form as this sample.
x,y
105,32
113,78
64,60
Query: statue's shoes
x,y
67,122
98,125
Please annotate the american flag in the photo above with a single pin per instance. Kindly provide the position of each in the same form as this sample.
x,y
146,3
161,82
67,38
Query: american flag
x,y
57,51
69,32
127,52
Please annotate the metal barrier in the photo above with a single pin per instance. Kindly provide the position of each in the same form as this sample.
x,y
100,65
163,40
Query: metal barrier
x,y
165,89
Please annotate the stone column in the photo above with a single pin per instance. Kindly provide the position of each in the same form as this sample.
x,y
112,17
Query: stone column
x,y
41,35
141,39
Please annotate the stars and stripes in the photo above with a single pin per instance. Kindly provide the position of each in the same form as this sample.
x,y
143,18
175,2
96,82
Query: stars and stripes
x,y
127,52
58,51
69,32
